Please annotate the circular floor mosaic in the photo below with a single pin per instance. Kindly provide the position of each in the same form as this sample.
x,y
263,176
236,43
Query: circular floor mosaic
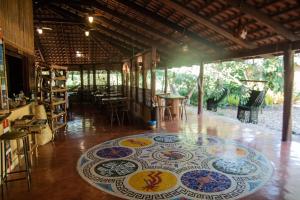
x,y
174,166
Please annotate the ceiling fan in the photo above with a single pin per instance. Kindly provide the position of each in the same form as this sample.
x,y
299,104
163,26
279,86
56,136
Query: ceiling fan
x,y
40,29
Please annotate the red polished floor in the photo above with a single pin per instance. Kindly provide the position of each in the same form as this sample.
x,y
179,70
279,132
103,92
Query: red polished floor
x,y
54,174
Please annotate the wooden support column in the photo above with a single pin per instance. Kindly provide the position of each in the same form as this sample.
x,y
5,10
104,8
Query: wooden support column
x,y
123,87
144,81
131,86
153,84
88,79
200,88
81,81
166,79
108,81
288,62
137,78
94,78
153,71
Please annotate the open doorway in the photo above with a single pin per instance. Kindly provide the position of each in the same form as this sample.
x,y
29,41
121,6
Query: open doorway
x,y
15,75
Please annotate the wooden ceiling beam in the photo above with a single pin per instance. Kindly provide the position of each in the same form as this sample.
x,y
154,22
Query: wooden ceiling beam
x,y
101,37
81,20
174,26
177,7
117,26
54,21
130,43
260,51
124,44
264,19
111,34
71,55
151,30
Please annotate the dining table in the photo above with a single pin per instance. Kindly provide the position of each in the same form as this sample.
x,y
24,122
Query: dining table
x,y
113,99
174,101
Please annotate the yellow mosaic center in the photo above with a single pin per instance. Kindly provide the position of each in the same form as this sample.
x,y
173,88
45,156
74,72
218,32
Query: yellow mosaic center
x,y
136,142
152,181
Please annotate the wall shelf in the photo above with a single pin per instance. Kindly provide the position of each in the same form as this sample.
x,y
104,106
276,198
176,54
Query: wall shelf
x,y
52,92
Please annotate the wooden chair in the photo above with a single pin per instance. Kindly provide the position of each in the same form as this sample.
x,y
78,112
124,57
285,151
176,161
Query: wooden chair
x,y
252,106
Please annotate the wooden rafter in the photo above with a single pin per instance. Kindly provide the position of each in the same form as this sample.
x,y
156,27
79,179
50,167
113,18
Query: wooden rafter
x,y
96,37
80,20
123,46
159,19
75,24
260,51
135,23
208,24
117,26
264,19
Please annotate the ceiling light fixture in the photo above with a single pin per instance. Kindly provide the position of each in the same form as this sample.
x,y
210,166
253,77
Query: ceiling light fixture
x,y
39,30
87,33
78,54
91,19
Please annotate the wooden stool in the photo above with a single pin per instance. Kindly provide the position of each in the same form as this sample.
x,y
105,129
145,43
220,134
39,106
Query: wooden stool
x,y
33,127
14,135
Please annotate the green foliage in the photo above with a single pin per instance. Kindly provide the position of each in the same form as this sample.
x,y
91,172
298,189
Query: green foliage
x,y
269,100
229,75
233,100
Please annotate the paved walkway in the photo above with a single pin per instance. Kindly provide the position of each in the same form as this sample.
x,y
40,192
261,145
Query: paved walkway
x,y
270,117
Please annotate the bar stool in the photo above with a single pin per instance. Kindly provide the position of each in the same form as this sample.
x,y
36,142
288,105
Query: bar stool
x,y
9,136
182,107
162,108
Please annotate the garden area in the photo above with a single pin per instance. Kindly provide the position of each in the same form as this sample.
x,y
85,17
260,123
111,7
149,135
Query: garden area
x,y
234,80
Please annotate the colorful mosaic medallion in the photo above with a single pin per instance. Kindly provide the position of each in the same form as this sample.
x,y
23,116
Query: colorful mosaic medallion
x,y
168,166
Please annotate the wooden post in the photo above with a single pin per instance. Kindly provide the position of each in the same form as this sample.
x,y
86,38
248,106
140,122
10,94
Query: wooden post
x,y
88,79
144,81
288,62
81,77
153,84
153,72
166,79
131,85
137,78
200,88
81,82
94,78
108,82
123,86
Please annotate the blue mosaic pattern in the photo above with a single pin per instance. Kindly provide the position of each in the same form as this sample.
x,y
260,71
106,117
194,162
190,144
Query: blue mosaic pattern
x,y
236,167
114,152
205,181
167,138
205,167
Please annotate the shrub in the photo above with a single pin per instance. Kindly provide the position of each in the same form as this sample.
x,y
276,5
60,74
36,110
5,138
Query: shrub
x,y
233,100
